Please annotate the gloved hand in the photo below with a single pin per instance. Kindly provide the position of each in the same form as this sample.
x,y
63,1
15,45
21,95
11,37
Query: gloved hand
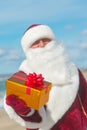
x,y
18,105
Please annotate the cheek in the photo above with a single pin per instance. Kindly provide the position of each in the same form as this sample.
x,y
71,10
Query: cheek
x,y
34,46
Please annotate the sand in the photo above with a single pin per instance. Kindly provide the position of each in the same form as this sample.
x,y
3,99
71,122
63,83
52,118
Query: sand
x,y
7,124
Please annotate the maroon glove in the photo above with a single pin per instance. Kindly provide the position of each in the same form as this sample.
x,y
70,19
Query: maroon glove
x,y
18,105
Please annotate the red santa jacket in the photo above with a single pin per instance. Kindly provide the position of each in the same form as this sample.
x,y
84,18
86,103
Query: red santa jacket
x,y
76,117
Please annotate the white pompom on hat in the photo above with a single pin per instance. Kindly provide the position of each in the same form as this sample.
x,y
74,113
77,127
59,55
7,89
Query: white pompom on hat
x,y
34,33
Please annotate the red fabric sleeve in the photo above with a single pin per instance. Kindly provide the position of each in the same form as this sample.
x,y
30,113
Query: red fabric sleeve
x,y
83,90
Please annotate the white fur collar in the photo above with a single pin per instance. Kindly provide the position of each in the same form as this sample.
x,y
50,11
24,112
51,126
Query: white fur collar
x,y
60,100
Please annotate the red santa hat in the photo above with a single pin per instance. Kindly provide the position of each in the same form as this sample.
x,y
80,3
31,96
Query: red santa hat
x,y
35,32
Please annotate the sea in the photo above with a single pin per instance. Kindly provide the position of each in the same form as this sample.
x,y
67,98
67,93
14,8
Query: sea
x,y
3,79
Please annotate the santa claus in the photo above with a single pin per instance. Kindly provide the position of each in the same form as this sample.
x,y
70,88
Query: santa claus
x,y
67,105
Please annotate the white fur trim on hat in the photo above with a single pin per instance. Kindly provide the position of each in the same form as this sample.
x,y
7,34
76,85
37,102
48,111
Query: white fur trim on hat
x,y
35,33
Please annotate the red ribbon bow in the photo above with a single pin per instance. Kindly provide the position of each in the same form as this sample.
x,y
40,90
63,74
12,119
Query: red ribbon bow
x,y
34,80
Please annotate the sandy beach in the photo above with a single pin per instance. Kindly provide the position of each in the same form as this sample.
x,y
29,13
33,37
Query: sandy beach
x,y
7,124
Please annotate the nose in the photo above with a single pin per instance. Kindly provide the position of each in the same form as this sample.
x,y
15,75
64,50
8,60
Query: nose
x,y
41,43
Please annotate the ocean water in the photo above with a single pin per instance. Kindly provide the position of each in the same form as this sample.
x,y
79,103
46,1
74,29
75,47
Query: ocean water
x,y
3,88
2,93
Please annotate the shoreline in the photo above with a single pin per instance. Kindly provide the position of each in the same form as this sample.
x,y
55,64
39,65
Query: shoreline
x,y
8,124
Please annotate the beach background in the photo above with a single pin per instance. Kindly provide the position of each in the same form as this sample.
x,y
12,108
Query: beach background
x,y
5,122
68,20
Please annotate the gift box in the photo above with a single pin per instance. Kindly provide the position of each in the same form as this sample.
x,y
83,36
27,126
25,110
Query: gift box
x,y
30,88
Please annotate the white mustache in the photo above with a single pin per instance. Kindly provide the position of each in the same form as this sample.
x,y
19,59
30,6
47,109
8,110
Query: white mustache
x,y
48,47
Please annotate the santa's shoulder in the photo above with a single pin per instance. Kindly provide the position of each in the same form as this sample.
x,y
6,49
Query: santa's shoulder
x,y
24,67
24,63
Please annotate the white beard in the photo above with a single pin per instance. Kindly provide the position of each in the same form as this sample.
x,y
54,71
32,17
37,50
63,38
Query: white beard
x,y
51,61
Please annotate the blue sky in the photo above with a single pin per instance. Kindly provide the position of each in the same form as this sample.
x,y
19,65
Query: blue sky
x,y
67,18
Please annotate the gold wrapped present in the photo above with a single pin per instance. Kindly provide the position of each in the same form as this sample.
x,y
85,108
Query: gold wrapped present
x,y
34,96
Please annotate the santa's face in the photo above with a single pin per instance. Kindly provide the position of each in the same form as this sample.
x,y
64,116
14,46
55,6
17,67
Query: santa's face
x,y
49,60
40,43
